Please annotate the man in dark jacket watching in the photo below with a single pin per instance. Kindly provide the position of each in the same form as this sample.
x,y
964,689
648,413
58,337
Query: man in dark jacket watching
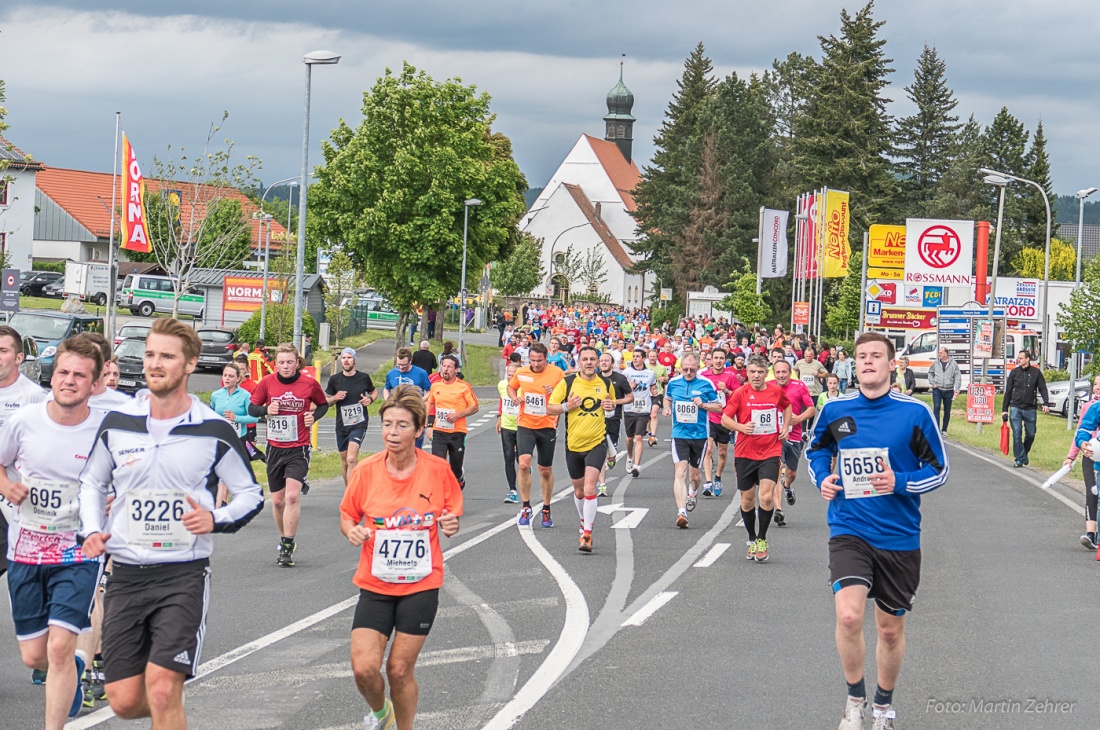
x,y
1019,404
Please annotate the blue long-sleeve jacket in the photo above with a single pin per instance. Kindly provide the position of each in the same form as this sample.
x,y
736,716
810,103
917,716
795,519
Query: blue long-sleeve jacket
x,y
1086,429
221,401
906,428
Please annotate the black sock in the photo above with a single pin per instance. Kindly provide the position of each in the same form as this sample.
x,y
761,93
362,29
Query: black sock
x,y
750,522
857,689
288,540
884,696
765,520
527,504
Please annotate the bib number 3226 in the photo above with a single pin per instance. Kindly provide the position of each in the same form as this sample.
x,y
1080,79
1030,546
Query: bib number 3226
x,y
857,466
155,519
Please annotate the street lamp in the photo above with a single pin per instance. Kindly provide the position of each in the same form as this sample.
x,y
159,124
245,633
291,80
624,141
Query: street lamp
x,y
1000,182
263,216
1072,407
462,294
1046,268
310,59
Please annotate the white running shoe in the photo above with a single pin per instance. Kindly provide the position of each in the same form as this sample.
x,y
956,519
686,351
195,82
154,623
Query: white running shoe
x,y
629,464
884,717
853,714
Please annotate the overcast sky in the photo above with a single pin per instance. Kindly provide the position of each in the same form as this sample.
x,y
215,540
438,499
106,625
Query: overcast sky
x,y
172,68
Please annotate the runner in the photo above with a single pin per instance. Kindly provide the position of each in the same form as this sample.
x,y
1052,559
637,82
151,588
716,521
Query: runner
x,y
585,398
51,582
1089,459
725,382
890,452
614,420
686,396
404,372
231,403
351,392
832,390
105,398
761,415
507,415
285,397
661,373
531,386
643,383
155,604
454,402
802,411
396,504
557,356
811,372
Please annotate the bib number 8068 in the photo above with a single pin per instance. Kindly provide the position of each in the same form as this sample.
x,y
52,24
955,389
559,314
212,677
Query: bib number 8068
x,y
161,510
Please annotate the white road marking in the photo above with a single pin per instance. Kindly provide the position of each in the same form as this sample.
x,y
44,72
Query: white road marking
x,y
650,608
712,555
569,643
523,603
1020,475
634,516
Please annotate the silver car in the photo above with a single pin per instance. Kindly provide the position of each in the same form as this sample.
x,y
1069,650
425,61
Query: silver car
x,y
1059,395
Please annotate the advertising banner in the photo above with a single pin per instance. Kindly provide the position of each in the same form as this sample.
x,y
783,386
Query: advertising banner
x,y
979,403
807,241
245,294
880,273
908,318
939,252
836,222
801,313
773,243
1023,303
983,339
135,235
883,291
886,247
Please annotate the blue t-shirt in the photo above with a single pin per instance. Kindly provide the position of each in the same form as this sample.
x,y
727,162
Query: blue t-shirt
x,y
561,360
416,376
684,391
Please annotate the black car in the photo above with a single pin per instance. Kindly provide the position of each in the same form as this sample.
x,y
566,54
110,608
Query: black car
x,y
218,348
56,290
131,364
31,283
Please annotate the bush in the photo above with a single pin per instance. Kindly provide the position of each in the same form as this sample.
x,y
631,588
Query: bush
x,y
40,265
671,311
1053,376
279,327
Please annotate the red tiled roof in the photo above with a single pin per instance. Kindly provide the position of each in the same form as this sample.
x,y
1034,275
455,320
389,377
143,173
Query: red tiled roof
x,y
624,175
86,196
600,227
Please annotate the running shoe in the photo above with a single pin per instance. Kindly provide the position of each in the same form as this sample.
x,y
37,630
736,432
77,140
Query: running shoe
x,y
305,488
1089,541
761,550
883,716
779,519
546,520
630,465
512,497
717,486
525,516
286,556
86,681
387,722
601,489
78,699
708,489
611,460
853,714
681,521
634,472
38,676
99,680
652,440
788,493
691,500
750,553
586,542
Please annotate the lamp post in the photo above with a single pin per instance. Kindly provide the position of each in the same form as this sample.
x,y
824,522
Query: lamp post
x,y
462,294
1000,182
312,58
263,216
1072,407
1045,334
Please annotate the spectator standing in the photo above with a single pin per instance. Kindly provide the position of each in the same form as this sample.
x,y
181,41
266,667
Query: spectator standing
x,y
424,358
903,377
1018,407
842,369
945,380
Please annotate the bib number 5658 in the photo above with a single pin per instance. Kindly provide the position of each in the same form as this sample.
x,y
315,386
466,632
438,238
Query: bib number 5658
x,y
864,466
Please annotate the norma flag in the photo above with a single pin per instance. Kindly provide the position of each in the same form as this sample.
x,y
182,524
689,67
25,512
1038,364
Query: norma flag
x,y
135,234
938,252
773,242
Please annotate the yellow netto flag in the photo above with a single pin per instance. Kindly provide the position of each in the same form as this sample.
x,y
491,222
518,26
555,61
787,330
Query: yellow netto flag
x,y
835,232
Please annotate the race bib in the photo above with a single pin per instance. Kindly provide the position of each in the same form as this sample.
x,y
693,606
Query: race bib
x,y
722,398
282,429
809,379
857,466
640,404
349,415
687,412
509,407
765,421
534,404
50,506
155,519
444,419
401,556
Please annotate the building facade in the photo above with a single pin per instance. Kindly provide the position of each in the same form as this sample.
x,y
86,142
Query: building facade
x,y
17,204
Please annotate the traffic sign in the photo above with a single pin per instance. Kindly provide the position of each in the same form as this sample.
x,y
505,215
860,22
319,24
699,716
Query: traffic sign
x,y
873,312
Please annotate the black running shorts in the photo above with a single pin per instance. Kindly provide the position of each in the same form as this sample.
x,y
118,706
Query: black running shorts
x,y
577,461
155,614
528,439
720,433
286,463
751,472
410,614
354,436
614,426
658,402
693,451
792,454
637,424
891,576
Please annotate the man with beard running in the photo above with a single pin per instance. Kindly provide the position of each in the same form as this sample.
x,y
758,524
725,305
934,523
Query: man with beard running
x,y
802,411
351,392
725,383
531,386
688,398
454,402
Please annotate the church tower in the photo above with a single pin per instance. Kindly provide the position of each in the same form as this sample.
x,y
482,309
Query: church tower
x,y
619,120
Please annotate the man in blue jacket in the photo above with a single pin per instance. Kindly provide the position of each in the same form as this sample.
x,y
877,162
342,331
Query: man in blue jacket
x,y
888,453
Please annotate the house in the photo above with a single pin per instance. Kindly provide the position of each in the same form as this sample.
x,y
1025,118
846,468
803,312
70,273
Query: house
x,y
232,307
17,201
588,205
73,220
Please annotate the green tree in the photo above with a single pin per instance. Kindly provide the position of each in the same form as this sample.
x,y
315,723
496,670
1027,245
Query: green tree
x,y
744,303
392,189
279,322
1005,143
1080,320
842,316
1033,209
1030,263
926,139
522,270
340,284
593,272
785,88
961,194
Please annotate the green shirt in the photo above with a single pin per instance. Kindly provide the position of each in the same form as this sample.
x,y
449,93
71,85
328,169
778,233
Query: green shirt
x,y
659,371
507,422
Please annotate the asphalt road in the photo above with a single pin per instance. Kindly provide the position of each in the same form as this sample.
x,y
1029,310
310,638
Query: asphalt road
x,y
658,627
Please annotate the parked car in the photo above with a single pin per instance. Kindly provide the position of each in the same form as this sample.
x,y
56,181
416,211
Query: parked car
x,y
218,347
1059,395
145,294
48,329
31,283
131,364
30,367
55,290
136,331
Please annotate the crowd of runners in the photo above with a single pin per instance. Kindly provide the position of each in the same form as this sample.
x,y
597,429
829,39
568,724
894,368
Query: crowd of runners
x,y
101,484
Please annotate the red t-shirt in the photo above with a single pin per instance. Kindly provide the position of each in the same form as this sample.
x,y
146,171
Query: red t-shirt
x,y
732,383
293,399
668,359
767,404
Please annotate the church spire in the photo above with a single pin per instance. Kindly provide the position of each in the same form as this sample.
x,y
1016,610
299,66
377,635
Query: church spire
x,y
619,120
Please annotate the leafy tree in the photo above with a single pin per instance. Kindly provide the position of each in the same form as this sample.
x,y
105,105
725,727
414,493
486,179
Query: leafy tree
x,y
698,248
593,271
392,190
522,270
1030,263
926,139
842,315
3,109
744,303
340,285
1080,319
785,88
